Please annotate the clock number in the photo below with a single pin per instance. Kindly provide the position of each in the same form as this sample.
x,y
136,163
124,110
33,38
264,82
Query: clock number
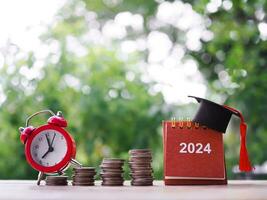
x,y
194,148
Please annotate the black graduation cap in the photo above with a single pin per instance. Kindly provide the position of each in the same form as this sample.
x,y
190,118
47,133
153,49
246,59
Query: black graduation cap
x,y
213,115
217,117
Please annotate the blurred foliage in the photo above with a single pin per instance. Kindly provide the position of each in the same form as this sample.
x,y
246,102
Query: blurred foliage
x,y
107,113
103,95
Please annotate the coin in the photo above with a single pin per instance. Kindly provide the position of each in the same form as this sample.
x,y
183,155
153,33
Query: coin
x,y
107,170
83,179
112,183
111,166
56,180
133,183
82,184
83,176
133,151
141,170
84,169
112,172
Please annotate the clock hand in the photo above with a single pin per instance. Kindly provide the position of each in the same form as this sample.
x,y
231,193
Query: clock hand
x,y
48,151
53,139
50,148
48,142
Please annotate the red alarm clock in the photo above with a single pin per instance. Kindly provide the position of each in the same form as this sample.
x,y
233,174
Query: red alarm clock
x,y
49,148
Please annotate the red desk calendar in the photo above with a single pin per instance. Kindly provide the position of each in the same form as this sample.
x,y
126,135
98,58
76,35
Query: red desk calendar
x,y
193,154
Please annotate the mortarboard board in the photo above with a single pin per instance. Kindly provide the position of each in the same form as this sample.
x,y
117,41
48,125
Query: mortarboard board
x,y
213,115
217,117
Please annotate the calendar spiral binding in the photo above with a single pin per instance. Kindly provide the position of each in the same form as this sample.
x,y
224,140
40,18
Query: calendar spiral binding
x,y
187,123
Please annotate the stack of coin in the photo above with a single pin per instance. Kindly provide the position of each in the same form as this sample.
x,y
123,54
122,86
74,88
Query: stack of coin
x,y
56,180
112,172
83,176
141,170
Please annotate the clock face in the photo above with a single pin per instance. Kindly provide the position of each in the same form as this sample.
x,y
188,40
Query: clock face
x,y
48,148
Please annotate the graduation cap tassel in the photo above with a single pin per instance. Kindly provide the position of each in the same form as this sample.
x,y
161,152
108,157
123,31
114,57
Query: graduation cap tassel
x,y
244,162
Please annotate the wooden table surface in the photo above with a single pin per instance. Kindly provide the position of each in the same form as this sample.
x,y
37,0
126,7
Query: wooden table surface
x,y
13,189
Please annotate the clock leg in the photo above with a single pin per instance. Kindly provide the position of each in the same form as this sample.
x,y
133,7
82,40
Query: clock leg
x,y
40,177
60,173
75,163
